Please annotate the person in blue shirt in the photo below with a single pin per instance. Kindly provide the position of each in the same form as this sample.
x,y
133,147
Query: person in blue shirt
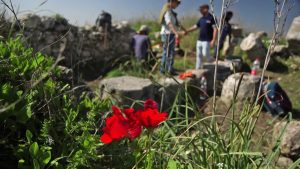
x,y
207,35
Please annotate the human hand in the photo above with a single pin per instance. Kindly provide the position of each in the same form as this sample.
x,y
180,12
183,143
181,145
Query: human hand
x,y
212,44
185,33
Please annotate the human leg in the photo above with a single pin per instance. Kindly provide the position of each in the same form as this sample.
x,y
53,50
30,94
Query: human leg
x,y
199,55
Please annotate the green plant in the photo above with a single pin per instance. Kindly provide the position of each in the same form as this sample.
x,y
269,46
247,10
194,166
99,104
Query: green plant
x,y
43,123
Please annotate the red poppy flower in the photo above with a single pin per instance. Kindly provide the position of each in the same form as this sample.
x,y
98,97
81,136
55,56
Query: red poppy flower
x,y
128,123
116,127
150,117
134,125
150,104
119,126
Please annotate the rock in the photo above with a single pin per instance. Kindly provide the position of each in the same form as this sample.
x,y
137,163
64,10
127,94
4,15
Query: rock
x,y
281,50
66,74
247,90
254,47
294,67
290,143
48,23
169,88
86,49
293,37
122,25
224,71
237,32
284,162
127,89
235,63
174,88
31,21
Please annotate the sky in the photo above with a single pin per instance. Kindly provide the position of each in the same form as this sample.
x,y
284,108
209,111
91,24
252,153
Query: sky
x,y
255,15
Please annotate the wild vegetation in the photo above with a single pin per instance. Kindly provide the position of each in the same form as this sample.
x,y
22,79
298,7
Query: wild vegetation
x,y
46,122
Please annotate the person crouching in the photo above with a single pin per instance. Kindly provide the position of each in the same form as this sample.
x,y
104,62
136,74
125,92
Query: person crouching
x,y
141,44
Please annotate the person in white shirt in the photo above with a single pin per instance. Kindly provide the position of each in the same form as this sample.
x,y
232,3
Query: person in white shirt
x,y
169,32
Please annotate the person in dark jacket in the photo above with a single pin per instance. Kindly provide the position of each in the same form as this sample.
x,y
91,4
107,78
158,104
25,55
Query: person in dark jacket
x,y
226,31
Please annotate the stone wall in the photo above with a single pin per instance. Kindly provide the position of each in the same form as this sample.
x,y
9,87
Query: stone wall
x,y
89,51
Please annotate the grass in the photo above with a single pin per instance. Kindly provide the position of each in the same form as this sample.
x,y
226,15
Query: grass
x,y
244,141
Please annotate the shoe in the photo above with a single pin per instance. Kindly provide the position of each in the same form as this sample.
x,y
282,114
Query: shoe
x,y
173,73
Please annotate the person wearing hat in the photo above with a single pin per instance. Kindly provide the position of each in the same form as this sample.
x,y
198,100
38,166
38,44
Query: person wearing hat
x,y
170,27
207,35
141,44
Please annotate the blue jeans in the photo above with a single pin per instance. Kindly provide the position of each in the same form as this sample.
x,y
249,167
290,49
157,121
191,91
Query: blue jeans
x,y
168,53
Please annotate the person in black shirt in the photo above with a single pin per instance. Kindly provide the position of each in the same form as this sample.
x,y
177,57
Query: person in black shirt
x,y
226,30
207,35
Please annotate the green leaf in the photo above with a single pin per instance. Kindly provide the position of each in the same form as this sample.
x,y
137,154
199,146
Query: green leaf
x,y
172,164
36,164
34,149
86,143
28,111
21,161
28,136
45,157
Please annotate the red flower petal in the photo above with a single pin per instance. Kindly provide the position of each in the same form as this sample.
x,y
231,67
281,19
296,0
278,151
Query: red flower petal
x,y
150,104
106,139
129,112
116,110
151,118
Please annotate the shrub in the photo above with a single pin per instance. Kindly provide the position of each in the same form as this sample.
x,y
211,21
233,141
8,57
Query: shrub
x,y
42,124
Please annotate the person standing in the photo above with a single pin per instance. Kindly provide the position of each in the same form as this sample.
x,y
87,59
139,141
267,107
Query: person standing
x,y
226,31
141,44
207,35
169,33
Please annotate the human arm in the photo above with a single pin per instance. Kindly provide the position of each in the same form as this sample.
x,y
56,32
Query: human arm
x,y
193,28
215,35
172,27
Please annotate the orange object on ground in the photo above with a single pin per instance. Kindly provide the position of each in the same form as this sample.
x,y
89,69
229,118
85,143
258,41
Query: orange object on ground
x,y
185,75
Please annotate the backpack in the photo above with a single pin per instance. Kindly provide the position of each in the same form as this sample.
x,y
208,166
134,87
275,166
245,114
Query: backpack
x,y
276,100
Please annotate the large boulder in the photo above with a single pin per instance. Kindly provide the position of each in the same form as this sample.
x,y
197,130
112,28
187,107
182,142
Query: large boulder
x,y
170,90
293,36
175,89
281,51
247,90
261,34
290,142
254,47
127,89
224,71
